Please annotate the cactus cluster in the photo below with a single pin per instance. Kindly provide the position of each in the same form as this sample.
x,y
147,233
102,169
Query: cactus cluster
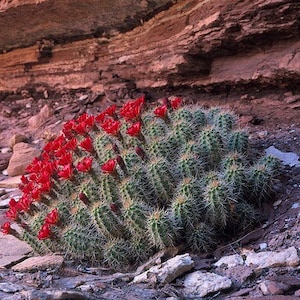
x,y
116,187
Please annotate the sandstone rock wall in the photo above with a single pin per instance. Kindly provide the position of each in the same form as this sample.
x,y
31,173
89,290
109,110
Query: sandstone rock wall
x,y
209,44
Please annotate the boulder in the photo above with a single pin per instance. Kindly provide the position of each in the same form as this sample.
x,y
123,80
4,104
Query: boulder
x,y
39,263
23,154
39,119
167,271
17,138
199,284
288,257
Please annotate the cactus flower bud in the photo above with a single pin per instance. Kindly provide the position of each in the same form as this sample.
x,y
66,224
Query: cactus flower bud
x,y
114,208
45,232
140,152
83,197
121,163
52,217
5,228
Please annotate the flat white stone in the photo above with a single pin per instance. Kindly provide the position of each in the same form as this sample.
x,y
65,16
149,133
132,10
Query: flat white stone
x,y
167,271
8,287
6,261
287,158
11,182
287,257
199,284
11,246
39,263
230,261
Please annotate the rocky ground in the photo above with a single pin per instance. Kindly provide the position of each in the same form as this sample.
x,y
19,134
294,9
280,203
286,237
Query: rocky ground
x,y
31,117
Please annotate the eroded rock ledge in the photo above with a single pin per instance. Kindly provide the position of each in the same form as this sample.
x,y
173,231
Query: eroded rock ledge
x,y
204,44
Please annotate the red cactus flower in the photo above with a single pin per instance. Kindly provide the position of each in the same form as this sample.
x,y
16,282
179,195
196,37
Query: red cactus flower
x,y
34,167
52,217
12,213
131,110
44,177
46,187
85,164
68,129
28,188
87,145
100,118
5,228
111,126
24,203
65,159
161,111
45,232
12,203
87,120
135,129
175,103
66,172
109,167
71,144
24,179
36,194
81,128
110,111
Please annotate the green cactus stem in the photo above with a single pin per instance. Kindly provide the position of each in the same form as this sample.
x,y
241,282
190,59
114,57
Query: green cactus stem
x,y
161,229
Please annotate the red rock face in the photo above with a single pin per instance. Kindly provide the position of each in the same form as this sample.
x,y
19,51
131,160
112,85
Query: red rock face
x,y
206,44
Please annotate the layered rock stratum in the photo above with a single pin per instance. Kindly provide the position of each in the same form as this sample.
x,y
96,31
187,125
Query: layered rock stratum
x,y
210,45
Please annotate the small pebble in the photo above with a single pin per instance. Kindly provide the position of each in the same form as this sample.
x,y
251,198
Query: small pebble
x,y
263,246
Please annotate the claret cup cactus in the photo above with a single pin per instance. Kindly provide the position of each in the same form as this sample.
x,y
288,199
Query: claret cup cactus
x,y
116,187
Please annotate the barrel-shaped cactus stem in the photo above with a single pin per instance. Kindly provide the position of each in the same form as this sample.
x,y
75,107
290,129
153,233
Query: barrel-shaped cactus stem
x,y
210,147
199,120
109,223
217,203
82,242
272,163
235,178
201,237
260,181
238,141
140,248
161,229
224,121
189,165
135,215
185,211
233,158
37,245
161,175
245,216
117,253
